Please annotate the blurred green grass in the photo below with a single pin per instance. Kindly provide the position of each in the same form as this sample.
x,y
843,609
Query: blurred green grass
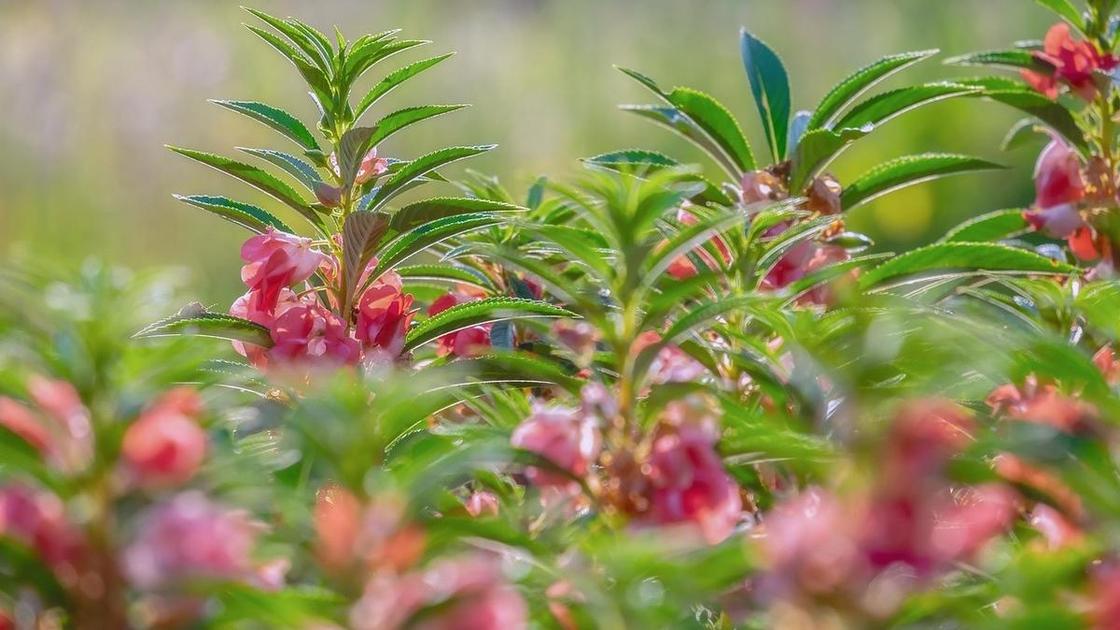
x,y
93,90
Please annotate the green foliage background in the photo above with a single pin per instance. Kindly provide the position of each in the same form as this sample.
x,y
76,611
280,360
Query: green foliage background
x,y
92,91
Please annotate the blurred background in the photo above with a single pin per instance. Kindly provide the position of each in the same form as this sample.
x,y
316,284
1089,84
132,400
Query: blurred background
x,y
91,90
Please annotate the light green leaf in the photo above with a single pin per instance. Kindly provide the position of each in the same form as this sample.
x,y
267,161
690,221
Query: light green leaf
x,y
675,120
421,166
195,320
393,80
291,164
851,88
1066,11
971,257
883,107
992,226
817,149
907,171
402,118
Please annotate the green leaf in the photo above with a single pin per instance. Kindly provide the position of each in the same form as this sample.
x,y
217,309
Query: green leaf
x,y
817,149
357,65
1021,133
291,164
617,160
393,80
477,313
675,120
851,88
243,214
195,320
883,107
417,214
770,87
1017,58
420,167
361,233
980,257
298,37
352,149
1051,113
445,273
257,178
428,234
514,368
278,119
907,171
315,77
1066,11
402,118
992,226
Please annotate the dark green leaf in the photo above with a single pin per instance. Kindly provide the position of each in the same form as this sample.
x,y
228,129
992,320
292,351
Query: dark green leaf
x,y
291,164
676,121
195,320
907,171
278,119
420,167
1053,114
298,37
817,149
402,118
770,87
1066,11
1018,58
243,214
445,273
851,88
428,234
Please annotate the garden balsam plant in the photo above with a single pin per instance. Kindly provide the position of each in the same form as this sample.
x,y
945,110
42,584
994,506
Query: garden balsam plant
x,y
337,295
635,399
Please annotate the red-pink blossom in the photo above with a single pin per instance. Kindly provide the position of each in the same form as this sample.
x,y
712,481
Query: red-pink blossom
x,y
352,534
801,260
577,336
566,437
759,186
309,333
1042,403
468,342
38,520
482,503
190,537
688,483
1075,64
166,445
276,260
809,545
671,365
1056,529
58,426
452,594
384,314
681,267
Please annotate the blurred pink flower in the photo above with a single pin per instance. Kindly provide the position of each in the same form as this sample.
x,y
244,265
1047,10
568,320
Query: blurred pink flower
x,y
384,316
453,594
566,437
1075,64
688,483
809,546
482,503
1042,403
801,260
37,519
965,520
191,537
681,267
375,535
277,260
308,332
58,426
468,342
758,186
1056,530
165,446
672,365
578,336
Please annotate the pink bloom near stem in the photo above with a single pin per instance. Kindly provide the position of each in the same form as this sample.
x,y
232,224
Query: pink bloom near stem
x,y
309,333
809,546
453,594
277,260
191,537
482,503
166,445
58,426
1075,64
384,314
801,260
469,342
672,365
566,437
681,267
688,483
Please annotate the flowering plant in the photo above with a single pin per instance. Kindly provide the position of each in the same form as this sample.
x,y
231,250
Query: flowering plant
x,y
644,396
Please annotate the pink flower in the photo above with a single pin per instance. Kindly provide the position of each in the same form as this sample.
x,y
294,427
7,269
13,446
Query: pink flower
x,y
1075,64
759,186
1057,176
566,437
166,446
681,267
1056,530
1044,404
482,503
469,342
384,314
578,336
350,534
801,260
38,521
1106,361
277,260
672,365
370,167
454,594
190,537
924,436
688,483
967,519
1104,595
58,427
308,332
